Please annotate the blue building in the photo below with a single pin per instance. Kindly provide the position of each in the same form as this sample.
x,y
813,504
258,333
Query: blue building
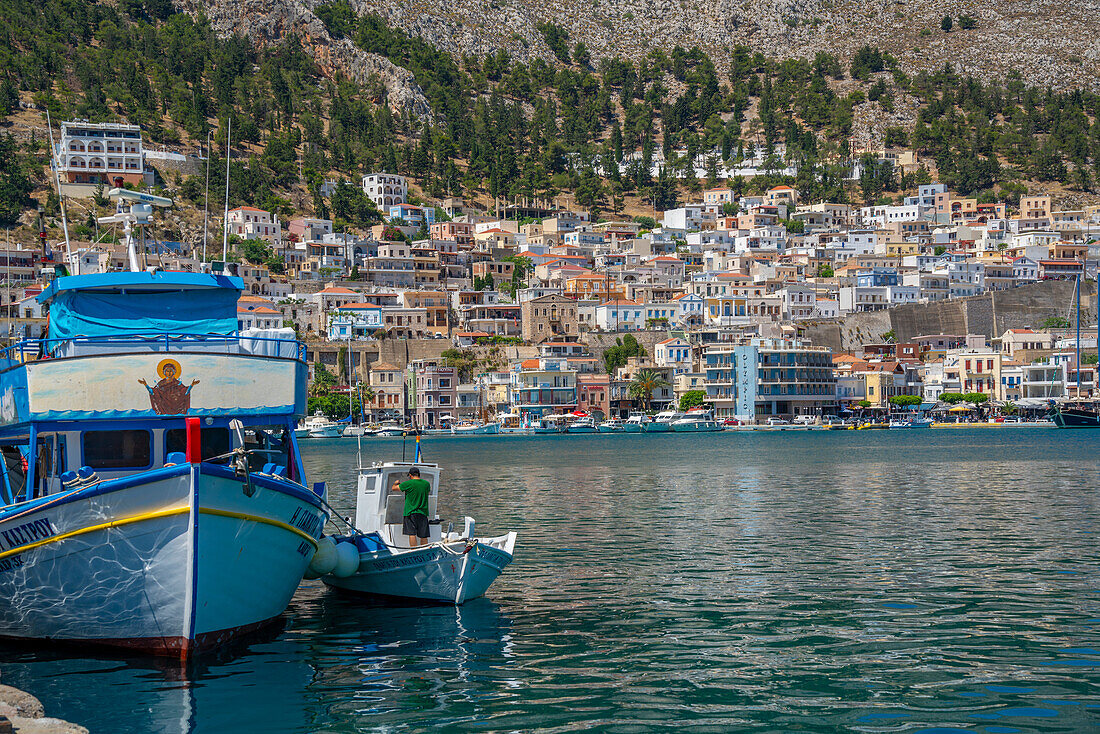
x,y
869,277
762,378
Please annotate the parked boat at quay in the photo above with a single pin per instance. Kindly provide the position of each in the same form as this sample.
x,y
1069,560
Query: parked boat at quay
x,y
696,420
471,428
614,425
636,423
153,494
662,422
453,567
321,427
583,424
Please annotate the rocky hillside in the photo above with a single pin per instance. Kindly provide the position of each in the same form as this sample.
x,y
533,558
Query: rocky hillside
x,y
1046,42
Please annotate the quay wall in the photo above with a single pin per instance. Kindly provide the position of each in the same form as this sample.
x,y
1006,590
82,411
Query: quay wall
x,y
989,314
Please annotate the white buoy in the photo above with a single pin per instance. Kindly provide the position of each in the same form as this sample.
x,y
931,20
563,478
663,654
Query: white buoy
x,y
347,560
324,559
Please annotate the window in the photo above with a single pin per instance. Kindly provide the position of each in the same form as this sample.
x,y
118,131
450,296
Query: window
x,y
131,449
215,442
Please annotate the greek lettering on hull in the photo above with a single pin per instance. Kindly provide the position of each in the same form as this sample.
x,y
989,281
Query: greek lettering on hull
x,y
169,396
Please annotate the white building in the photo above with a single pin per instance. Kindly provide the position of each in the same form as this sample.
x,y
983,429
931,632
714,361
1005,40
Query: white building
x,y
105,153
385,189
250,223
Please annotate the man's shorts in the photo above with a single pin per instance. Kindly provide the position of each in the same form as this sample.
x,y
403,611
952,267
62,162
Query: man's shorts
x,y
416,524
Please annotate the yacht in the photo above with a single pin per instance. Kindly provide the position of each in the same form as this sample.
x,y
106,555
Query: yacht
x,y
612,425
321,427
138,509
636,423
389,429
696,420
662,422
584,424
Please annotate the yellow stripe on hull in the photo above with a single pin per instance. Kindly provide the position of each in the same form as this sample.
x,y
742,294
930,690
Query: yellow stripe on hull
x,y
156,515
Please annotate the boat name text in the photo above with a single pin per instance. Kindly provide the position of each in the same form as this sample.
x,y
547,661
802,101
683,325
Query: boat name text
x,y
28,533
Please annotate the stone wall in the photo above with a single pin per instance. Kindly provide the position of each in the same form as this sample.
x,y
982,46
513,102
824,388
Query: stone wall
x,y
989,314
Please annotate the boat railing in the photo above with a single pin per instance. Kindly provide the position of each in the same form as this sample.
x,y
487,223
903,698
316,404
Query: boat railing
x,y
29,350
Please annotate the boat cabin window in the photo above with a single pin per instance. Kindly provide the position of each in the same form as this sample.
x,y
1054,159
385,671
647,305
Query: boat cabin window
x,y
270,445
215,442
127,449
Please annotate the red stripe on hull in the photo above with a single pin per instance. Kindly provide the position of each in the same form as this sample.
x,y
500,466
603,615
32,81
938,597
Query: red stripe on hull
x,y
170,647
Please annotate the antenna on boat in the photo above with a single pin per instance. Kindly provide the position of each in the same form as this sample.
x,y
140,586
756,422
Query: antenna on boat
x,y
57,181
133,207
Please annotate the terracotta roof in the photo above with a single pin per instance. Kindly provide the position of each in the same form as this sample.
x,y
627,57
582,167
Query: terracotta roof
x,y
333,290
248,209
530,364
384,367
620,303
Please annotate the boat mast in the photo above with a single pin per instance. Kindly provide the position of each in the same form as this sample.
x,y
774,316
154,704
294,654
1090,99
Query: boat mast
x,y
206,200
1077,292
225,223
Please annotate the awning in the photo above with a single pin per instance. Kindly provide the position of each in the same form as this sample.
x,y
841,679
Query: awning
x,y
961,409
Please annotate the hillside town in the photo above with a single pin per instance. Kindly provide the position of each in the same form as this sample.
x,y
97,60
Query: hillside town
x,y
445,311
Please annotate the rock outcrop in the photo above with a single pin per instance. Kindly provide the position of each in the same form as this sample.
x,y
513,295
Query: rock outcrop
x,y
1047,43
268,22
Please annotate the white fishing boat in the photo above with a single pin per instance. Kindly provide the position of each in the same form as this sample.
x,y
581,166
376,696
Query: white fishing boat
x,y
612,425
550,424
351,431
583,424
471,428
454,567
696,420
301,432
152,493
321,427
662,422
512,423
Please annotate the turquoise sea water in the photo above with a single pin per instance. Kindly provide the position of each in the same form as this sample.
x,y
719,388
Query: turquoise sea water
x,y
873,581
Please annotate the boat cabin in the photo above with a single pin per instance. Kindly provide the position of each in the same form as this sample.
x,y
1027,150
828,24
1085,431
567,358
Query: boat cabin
x,y
128,359
378,508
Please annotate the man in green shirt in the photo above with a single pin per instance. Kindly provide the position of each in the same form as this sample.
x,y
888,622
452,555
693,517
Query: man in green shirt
x,y
416,507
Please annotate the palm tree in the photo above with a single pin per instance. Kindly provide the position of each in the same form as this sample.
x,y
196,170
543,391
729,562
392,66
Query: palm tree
x,y
644,384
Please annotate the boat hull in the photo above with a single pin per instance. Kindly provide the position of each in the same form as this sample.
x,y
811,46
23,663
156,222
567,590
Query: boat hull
x,y
326,432
450,573
658,427
488,429
155,565
1075,418
696,427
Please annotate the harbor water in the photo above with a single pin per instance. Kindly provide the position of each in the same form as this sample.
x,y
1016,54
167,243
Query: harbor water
x,y
875,581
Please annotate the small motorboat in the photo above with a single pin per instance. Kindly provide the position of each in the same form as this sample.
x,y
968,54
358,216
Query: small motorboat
x,y
612,425
453,567
550,424
351,431
584,424
389,429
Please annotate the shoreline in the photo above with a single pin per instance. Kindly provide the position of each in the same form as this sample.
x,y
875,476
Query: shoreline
x,y
27,715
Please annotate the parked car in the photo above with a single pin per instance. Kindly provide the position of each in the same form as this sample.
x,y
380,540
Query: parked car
x,y
777,422
804,420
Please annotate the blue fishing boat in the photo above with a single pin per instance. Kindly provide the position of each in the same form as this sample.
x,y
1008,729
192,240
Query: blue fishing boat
x,y
153,495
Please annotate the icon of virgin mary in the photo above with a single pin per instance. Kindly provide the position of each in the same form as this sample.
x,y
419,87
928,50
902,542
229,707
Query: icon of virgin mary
x,y
169,396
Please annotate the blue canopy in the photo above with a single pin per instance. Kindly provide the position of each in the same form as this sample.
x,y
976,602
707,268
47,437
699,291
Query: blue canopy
x,y
112,304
